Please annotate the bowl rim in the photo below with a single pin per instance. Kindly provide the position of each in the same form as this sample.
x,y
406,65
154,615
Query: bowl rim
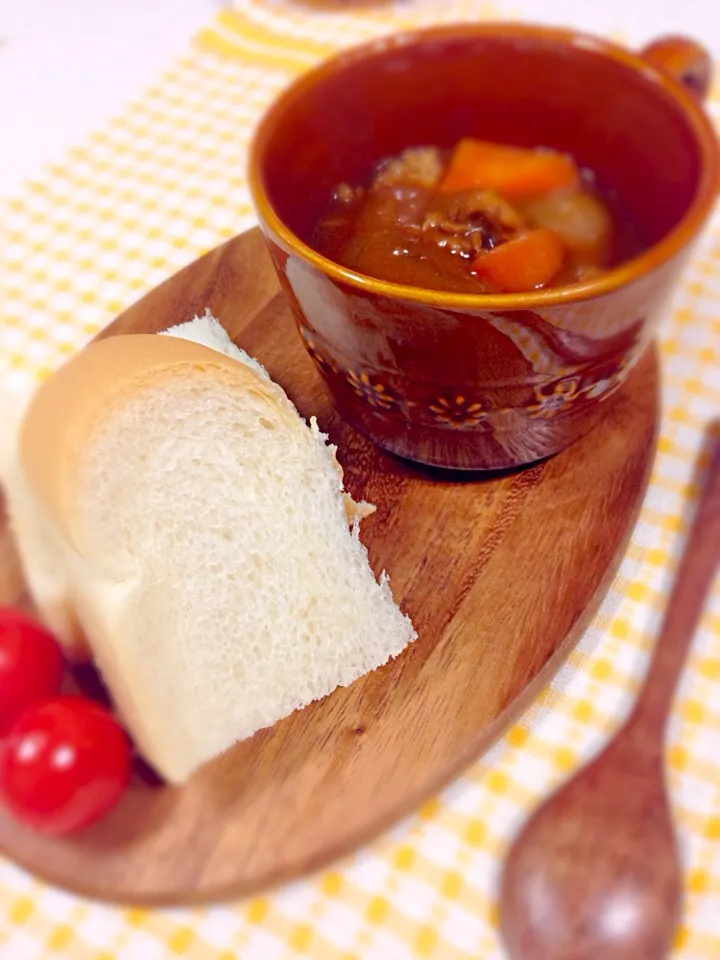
x,y
616,278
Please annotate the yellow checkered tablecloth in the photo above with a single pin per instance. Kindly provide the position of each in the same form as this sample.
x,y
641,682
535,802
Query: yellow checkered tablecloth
x,y
140,198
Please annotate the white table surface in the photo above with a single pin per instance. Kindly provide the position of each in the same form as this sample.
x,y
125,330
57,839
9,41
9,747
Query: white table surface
x,y
66,65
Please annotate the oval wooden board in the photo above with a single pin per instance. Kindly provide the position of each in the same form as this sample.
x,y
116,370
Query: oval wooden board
x,y
500,576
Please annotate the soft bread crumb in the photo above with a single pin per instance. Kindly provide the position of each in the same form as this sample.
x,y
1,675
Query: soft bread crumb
x,y
209,332
238,569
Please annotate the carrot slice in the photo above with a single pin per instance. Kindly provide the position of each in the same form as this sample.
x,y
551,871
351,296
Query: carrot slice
x,y
525,263
512,171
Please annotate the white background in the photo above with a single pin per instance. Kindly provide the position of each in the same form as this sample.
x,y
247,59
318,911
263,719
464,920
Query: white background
x,y
66,65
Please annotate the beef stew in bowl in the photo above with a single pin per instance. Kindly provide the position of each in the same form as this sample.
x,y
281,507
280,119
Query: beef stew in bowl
x,y
433,368
482,218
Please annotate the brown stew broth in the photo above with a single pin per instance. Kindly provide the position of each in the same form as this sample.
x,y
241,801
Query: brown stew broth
x,y
400,227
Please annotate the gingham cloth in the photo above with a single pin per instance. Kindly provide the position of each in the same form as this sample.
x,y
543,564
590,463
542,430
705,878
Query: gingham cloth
x,y
146,194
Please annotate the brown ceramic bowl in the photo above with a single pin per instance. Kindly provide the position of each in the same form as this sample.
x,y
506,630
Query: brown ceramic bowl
x,y
480,381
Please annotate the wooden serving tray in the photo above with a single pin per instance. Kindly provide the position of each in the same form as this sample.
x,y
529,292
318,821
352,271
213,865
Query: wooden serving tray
x,y
500,575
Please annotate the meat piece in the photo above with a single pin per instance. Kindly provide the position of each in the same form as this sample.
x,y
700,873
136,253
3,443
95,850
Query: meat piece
x,y
421,166
503,217
462,239
472,222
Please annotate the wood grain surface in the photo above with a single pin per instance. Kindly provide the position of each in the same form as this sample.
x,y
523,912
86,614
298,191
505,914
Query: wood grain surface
x,y
500,575
635,856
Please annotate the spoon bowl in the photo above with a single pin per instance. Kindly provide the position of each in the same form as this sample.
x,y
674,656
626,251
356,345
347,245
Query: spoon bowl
x,y
579,884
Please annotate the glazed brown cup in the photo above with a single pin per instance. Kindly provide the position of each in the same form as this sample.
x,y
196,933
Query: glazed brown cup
x,y
486,381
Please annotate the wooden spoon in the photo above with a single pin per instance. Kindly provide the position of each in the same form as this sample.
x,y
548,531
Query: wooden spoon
x,y
595,873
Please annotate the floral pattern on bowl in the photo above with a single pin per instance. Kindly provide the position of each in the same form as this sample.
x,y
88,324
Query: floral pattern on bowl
x,y
458,411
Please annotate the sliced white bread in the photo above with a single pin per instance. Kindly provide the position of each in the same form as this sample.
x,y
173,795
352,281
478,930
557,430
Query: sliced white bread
x,y
200,534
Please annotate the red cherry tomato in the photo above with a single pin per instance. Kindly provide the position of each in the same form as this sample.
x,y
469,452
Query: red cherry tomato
x,y
31,665
65,763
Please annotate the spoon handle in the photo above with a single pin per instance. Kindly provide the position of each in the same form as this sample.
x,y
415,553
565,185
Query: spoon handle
x,y
697,569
